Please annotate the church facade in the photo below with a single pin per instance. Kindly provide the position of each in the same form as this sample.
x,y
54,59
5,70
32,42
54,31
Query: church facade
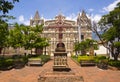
x,y
63,30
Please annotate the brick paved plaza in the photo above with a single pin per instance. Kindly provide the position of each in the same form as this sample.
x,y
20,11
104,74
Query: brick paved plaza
x,y
31,74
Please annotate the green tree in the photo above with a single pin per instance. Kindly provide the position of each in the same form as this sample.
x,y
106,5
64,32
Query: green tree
x,y
39,41
85,46
15,37
27,37
109,25
3,35
5,6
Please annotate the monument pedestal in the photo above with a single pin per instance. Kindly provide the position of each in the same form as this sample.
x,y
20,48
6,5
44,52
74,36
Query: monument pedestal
x,y
60,62
60,59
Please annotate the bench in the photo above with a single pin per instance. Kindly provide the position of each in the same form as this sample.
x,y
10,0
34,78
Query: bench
x,y
35,63
87,63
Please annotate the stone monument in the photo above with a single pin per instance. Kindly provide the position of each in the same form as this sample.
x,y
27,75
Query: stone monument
x,y
60,58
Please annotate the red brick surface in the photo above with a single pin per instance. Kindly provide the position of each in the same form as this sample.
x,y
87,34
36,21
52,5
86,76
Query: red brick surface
x,y
31,74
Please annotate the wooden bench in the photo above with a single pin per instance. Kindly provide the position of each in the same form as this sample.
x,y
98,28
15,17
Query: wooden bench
x,y
35,62
87,63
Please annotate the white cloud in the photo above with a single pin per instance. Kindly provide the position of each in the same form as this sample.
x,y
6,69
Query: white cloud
x,y
72,17
90,9
111,6
22,20
27,22
96,17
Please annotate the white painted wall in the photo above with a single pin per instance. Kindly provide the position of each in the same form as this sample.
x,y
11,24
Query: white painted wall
x,y
101,50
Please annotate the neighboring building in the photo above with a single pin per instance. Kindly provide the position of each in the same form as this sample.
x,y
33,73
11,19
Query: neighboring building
x,y
62,30
101,50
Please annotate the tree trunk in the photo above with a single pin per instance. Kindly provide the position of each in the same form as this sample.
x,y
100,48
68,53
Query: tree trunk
x,y
76,53
31,51
83,52
115,57
4,51
0,50
116,53
26,52
39,51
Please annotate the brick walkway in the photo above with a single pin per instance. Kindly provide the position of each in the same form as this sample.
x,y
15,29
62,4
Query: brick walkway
x,y
31,74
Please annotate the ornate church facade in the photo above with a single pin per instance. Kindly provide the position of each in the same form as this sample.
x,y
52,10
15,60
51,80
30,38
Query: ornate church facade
x,y
63,30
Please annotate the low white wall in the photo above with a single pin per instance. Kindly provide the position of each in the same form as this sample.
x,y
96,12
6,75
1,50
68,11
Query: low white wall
x,y
102,50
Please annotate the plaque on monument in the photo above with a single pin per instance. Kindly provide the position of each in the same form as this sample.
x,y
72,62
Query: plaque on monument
x,y
60,58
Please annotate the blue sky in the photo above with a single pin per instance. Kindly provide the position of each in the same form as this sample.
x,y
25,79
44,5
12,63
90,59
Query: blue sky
x,y
48,9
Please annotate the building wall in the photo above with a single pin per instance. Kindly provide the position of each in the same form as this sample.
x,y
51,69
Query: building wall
x,y
69,38
70,32
101,51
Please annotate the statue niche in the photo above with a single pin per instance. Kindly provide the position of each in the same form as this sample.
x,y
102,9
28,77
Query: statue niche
x,y
60,47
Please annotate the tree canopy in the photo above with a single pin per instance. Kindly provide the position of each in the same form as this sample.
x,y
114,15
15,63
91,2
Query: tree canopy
x,y
5,6
109,25
15,36
3,34
27,37
85,46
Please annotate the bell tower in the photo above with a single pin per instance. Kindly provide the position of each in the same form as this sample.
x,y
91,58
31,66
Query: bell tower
x,y
36,20
84,26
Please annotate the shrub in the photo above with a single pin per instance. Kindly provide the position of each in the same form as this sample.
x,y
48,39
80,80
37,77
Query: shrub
x,y
85,58
99,58
45,58
5,62
114,63
19,61
8,62
25,59
75,58
103,64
